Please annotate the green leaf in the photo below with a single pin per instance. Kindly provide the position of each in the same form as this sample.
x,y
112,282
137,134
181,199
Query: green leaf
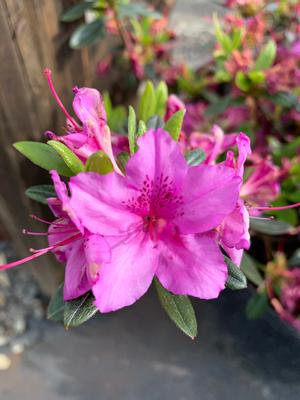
x,y
286,99
242,81
236,279
56,307
99,162
270,227
155,122
137,10
79,310
256,77
147,104
161,94
72,161
117,120
123,159
41,193
107,105
86,35
219,106
223,39
257,305
132,130
179,309
195,157
141,128
43,156
250,269
77,11
174,124
267,56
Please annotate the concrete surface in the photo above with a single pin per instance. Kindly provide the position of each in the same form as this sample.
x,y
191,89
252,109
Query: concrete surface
x,y
137,354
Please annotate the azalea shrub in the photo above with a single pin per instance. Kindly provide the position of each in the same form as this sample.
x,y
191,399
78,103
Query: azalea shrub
x,y
252,84
144,207
144,42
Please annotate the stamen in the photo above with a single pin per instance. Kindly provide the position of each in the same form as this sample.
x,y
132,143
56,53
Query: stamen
x,y
26,232
48,75
277,208
40,219
40,252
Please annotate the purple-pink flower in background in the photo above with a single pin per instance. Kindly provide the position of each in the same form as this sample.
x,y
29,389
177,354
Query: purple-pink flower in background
x,y
160,220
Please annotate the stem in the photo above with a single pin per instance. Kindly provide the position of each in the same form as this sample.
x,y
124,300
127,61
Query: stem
x,y
122,31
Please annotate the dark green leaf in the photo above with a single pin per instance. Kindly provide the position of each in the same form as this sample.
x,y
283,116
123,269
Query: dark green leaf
x,y
270,226
117,120
77,11
236,279
86,35
250,269
195,157
137,10
179,309
41,193
155,122
79,310
266,56
44,156
286,99
56,307
123,159
72,161
99,162
294,261
174,124
219,106
132,130
257,305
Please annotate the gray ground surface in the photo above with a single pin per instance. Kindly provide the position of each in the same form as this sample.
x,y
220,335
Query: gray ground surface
x,y
138,354
192,22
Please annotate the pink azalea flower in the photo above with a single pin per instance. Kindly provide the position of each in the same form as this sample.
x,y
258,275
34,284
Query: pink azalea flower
x,y
83,254
174,104
94,134
234,231
262,186
213,143
159,220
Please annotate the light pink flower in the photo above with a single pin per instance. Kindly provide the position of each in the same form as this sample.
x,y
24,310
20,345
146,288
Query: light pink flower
x,y
159,220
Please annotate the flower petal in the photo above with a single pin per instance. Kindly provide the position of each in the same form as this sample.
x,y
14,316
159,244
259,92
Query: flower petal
x,y
192,265
76,282
158,155
210,193
98,200
129,274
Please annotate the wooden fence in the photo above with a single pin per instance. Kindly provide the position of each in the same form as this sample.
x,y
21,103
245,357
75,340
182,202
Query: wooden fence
x,y
32,38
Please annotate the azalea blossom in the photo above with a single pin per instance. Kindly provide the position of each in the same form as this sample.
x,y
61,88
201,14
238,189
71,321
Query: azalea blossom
x,y
94,134
160,220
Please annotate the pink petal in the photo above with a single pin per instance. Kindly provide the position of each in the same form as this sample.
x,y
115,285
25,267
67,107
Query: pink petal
x,y
76,282
97,251
129,274
192,265
100,203
158,155
210,193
